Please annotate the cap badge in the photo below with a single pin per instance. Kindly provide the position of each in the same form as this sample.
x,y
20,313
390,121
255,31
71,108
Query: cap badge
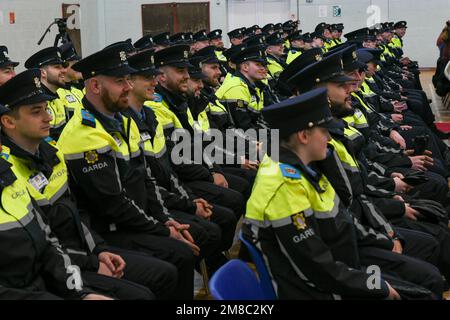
x,y
186,54
152,59
354,55
318,57
123,56
37,82
5,54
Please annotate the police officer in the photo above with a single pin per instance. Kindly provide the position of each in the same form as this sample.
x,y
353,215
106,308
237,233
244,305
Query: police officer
x,y
275,52
42,166
318,41
397,39
240,92
297,46
144,43
328,72
38,268
268,29
179,38
53,70
291,202
72,93
200,41
236,37
110,181
161,41
323,29
206,179
6,66
336,33
174,195
73,78
215,39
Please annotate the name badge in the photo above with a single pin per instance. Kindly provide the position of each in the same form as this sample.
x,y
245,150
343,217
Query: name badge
x,y
70,98
145,136
38,181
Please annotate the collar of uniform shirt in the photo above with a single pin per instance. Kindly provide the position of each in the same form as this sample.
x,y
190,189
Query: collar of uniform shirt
x,y
110,123
43,160
173,99
310,173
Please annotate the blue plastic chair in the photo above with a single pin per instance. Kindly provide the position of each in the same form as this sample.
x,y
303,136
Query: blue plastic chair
x,y
264,277
235,280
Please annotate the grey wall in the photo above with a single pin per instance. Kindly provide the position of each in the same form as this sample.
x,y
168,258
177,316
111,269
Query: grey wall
x,y
425,19
32,18
115,20
107,21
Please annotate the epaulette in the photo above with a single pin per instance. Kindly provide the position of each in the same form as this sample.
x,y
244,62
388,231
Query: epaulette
x,y
157,97
50,141
289,171
87,118
5,152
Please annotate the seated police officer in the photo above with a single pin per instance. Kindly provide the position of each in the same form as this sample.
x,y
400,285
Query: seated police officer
x,y
42,166
240,92
33,264
205,178
72,93
366,199
108,173
53,69
294,209
176,197
6,66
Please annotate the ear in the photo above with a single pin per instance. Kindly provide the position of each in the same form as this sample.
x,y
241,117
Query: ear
x,y
43,73
162,77
95,85
8,122
302,137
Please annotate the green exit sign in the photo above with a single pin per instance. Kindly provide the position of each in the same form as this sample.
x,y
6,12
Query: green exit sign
x,y
337,11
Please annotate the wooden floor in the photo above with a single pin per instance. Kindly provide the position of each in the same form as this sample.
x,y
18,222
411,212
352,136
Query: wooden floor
x,y
442,119
442,115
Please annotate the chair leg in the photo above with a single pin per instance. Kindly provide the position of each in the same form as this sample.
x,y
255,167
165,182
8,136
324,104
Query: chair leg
x,y
204,271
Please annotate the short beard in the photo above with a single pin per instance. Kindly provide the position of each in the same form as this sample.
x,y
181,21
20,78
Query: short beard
x,y
110,105
210,83
55,82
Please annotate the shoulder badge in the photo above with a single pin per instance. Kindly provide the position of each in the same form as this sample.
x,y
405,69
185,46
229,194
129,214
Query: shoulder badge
x,y
50,141
87,118
91,157
5,152
290,171
299,221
